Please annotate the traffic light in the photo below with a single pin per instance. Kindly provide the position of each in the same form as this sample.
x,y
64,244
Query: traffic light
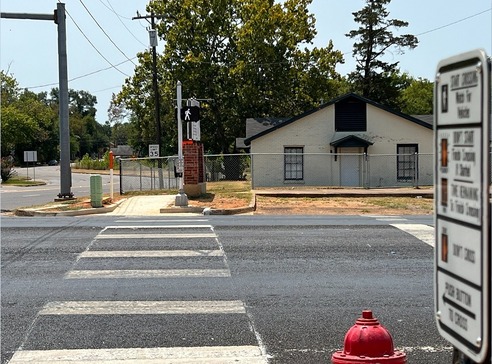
x,y
190,113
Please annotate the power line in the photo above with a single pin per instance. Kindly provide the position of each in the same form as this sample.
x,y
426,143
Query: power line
x,y
93,46
111,8
446,25
455,22
78,77
106,89
106,34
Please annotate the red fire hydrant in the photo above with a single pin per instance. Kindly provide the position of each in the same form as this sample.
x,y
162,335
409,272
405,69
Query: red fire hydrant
x,y
368,342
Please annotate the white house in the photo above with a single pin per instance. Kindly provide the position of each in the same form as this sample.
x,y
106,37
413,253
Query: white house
x,y
349,141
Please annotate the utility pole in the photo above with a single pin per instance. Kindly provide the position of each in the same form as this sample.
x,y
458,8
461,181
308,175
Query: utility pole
x,y
59,18
155,86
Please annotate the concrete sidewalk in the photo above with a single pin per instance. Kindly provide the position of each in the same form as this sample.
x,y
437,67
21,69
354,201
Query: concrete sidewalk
x,y
143,205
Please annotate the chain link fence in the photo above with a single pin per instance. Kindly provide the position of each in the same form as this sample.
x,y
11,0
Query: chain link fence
x,y
227,167
147,174
284,170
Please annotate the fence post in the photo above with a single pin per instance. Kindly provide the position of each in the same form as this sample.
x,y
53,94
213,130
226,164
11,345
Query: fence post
x,y
140,175
251,169
121,176
365,170
416,170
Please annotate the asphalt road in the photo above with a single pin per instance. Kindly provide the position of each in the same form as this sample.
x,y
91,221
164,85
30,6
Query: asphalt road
x,y
253,288
13,197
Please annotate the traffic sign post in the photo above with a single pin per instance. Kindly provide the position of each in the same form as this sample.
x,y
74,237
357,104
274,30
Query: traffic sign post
x,y
462,207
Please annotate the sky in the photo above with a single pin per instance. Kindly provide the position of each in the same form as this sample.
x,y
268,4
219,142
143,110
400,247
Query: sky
x,y
28,48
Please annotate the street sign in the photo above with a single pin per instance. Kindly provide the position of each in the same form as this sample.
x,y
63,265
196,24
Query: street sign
x,y
30,156
154,150
462,208
195,131
179,165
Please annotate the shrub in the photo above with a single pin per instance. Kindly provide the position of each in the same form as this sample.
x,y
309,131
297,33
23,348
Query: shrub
x,y
88,163
7,168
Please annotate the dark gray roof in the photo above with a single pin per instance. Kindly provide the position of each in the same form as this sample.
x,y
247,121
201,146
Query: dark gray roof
x,y
429,119
122,151
257,125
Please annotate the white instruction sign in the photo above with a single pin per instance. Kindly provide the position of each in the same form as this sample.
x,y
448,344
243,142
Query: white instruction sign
x,y
462,208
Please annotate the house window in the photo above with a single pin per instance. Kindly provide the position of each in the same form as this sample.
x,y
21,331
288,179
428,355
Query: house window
x,y
350,115
406,162
293,163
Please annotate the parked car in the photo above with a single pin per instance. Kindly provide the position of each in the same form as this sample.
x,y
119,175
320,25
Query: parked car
x,y
53,162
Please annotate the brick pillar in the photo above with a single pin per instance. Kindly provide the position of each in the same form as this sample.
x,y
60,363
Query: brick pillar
x,y
194,167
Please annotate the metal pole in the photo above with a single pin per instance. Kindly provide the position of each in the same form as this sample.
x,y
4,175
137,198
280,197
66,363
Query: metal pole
x,y
121,177
181,198
157,104
65,172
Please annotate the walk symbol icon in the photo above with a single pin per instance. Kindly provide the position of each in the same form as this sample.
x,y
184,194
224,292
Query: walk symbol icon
x,y
190,113
187,115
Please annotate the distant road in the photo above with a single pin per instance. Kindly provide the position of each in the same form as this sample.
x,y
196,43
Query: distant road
x,y
14,197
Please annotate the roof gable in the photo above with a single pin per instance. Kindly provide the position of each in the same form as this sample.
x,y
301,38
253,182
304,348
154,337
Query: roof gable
x,y
345,97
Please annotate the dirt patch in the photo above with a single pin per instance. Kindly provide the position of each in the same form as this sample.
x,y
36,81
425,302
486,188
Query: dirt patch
x,y
344,206
80,204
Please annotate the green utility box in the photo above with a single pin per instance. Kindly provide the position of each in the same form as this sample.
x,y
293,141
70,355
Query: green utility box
x,y
96,190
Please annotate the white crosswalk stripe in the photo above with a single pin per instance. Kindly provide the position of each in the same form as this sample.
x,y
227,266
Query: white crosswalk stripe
x,y
150,253
142,307
420,231
387,218
148,273
204,355
154,236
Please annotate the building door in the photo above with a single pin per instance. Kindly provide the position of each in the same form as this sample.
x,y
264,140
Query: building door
x,y
350,168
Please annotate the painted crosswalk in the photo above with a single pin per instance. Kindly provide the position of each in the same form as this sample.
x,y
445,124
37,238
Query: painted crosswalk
x,y
422,232
176,355
154,253
147,273
151,254
142,307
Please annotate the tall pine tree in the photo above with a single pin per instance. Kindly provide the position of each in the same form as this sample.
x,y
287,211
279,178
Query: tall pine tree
x,y
375,78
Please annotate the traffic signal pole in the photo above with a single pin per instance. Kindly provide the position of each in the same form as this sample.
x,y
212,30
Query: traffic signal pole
x,y
59,19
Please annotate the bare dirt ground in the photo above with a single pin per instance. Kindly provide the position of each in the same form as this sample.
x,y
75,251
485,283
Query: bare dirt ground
x,y
344,206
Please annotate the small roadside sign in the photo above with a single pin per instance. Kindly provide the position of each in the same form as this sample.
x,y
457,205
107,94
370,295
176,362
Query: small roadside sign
x,y
154,150
462,208
30,156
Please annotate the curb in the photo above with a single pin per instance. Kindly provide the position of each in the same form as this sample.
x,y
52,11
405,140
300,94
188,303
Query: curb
x,y
93,211
233,211
342,193
182,210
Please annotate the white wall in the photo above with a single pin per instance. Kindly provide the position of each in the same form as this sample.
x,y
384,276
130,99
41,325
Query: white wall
x,y
314,133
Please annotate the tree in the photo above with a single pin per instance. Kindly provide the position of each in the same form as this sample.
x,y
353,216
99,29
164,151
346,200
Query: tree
x,y
248,57
27,122
417,98
374,37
